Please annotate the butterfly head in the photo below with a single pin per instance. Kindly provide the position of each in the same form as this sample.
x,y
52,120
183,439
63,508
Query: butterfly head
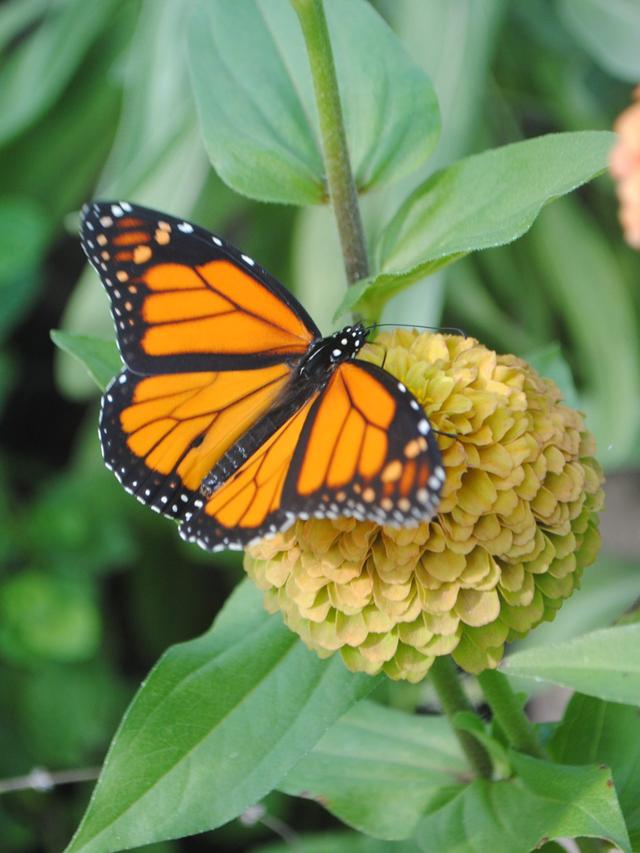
x,y
326,353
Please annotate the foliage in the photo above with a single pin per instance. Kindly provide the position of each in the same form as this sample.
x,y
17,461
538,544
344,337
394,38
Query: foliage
x,y
133,97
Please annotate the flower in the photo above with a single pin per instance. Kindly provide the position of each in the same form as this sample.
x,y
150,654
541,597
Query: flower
x,y
516,525
625,169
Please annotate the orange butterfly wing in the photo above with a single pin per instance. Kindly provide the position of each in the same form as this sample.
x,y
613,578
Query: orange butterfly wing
x,y
184,300
360,447
161,435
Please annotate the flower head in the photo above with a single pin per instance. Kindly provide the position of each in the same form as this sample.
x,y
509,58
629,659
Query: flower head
x,y
625,169
515,528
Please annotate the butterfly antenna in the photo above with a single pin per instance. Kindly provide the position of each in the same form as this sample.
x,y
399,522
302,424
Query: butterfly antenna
x,y
453,329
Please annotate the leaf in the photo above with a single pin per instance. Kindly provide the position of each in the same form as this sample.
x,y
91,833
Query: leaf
x,y
610,31
216,725
603,663
597,732
37,70
378,769
157,140
255,99
545,801
101,358
485,200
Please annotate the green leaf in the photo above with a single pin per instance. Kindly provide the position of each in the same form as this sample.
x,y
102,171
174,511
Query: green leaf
x,y
610,31
216,725
101,358
254,94
603,663
597,732
485,200
156,153
545,801
378,769
37,70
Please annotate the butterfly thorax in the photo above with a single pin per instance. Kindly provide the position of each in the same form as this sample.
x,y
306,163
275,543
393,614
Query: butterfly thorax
x,y
325,354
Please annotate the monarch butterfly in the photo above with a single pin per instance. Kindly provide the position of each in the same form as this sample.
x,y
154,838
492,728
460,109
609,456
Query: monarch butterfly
x,y
233,415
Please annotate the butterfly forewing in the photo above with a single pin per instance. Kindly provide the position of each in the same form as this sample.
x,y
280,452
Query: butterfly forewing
x,y
184,300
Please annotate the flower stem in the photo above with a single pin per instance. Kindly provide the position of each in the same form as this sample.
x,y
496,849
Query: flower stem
x,y
508,712
444,677
341,186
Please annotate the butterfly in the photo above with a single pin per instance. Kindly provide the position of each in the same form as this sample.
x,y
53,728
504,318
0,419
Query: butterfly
x,y
233,415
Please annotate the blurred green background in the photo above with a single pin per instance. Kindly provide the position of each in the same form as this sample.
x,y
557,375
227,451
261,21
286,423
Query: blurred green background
x,y
95,101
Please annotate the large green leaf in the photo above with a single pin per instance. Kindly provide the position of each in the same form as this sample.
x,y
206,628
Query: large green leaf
x,y
379,770
597,732
543,802
100,357
603,663
257,109
216,725
485,200
37,70
610,31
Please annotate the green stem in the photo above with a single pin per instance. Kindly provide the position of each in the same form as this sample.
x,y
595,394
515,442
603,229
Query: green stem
x,y
508,712
444,677
341,186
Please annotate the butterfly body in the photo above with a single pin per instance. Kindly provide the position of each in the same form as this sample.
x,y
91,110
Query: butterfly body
x,y
233,415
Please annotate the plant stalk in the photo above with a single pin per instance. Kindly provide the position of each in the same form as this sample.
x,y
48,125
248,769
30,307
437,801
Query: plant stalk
x,y
40,779
508,712
340,183
445,679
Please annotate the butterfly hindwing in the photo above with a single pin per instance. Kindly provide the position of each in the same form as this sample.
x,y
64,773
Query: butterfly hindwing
x,y
182,299
367,451
161,435
360,447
